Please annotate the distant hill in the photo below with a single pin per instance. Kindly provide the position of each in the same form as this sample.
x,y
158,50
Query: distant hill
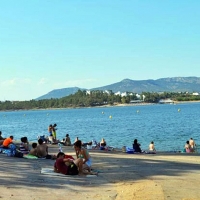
x,y
59,93
175,84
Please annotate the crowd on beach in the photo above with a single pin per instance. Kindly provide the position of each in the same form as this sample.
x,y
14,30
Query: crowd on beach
x,y
64,163
189,147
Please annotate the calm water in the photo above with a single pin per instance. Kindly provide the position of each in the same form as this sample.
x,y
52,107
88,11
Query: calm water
x,y
169,126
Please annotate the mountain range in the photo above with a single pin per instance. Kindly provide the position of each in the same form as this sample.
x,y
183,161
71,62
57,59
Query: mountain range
x,y
174,84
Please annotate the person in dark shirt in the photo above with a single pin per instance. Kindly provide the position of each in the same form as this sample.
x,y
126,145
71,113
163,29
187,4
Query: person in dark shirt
x,y
67,166
136,146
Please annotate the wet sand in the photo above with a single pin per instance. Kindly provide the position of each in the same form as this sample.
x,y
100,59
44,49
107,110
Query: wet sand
x,y
122,176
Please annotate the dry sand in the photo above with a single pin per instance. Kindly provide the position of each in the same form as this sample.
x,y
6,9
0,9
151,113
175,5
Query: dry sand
x,y
170,176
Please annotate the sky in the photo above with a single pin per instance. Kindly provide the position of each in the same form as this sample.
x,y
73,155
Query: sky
x,y
54,44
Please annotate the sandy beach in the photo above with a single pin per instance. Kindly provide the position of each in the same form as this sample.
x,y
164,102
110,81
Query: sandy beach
x,y
161,176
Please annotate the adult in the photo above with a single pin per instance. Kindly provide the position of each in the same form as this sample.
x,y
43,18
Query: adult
x,y
50,133
192,143
136,146
7,142
84,154
67,140
67,166
54,132
24,146
1,138
42,150
188,148
103,143
151,146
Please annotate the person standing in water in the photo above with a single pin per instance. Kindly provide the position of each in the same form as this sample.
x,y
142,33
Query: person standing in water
x,y
54,131
192,144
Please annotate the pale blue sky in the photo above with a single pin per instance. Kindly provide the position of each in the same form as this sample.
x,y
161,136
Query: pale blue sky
x,y
46,44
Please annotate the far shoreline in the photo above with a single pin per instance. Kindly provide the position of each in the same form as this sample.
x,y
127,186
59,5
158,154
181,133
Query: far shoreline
x,y
104,106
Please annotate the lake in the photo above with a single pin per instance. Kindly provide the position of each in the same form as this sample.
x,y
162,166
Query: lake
x,y
169,126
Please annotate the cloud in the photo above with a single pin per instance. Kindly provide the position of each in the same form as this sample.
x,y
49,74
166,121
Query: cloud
x,y
15,82
43,81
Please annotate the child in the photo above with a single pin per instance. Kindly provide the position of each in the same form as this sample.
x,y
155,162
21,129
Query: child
x,y
33,151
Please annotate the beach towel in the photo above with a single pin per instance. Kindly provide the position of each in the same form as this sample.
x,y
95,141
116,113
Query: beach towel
x,y
28,156
50,171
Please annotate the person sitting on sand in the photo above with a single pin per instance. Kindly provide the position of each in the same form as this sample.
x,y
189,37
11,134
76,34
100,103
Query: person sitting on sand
x,y
67,166
1,138
136,146
152,147
103,143
76,139
42,150
24,146
7,142
67,140
83,153
188,147
192,144
33,151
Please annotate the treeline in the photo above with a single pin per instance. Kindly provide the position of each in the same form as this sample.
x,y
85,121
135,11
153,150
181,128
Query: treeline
x,y
95,98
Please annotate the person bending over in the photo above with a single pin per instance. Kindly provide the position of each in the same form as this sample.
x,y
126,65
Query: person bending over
x,y
7,142
67,166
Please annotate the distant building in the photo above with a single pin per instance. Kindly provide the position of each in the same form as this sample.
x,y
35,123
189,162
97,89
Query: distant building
x,y
136,101
118,93
166,101
88,92
195,93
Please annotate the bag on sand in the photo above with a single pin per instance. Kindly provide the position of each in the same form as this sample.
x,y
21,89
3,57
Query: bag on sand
x,y
18,154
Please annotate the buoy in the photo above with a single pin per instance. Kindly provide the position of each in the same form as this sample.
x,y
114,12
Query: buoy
x,y
24,114
138,111
110,116
102,112
179,110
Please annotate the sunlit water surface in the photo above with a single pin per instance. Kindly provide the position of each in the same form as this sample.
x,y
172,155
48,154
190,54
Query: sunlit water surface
x,y
169,126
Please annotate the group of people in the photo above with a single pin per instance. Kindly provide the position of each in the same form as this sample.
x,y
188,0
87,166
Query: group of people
x,y
64,164
190,146
69,166
137,147
39,149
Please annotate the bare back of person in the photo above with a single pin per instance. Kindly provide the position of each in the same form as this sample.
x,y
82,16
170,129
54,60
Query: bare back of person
x,y
42,150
